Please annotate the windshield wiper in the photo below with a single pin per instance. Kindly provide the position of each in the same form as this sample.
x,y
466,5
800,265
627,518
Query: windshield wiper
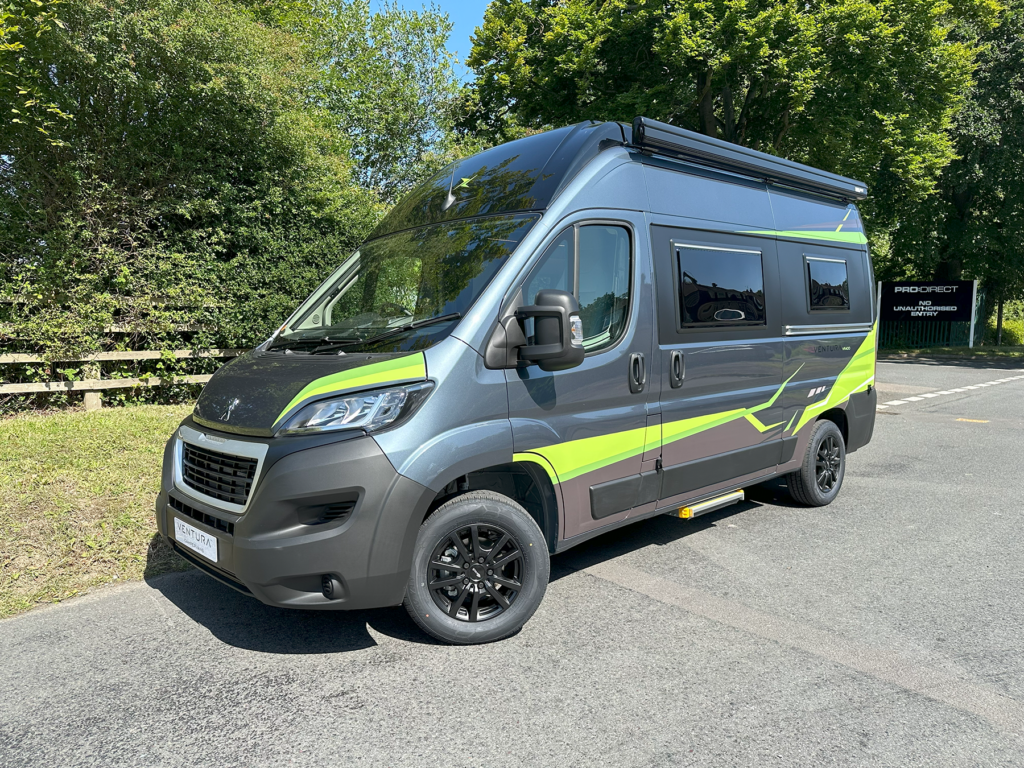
x,y
325,349
315,343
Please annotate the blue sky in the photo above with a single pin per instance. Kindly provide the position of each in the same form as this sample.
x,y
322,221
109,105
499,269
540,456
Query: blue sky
x,y
466,15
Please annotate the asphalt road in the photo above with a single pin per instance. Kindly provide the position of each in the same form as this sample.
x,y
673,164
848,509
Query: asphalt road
x,y
883,630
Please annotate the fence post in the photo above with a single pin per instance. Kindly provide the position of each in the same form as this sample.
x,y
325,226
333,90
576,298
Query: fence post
x,y
93,400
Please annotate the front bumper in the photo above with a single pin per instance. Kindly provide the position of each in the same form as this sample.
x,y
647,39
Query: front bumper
x,y
278,550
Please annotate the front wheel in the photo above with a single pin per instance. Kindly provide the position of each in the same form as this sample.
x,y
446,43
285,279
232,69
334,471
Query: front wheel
x,y
818,481
479,570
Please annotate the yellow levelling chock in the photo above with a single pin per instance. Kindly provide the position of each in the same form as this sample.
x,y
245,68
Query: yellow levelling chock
x,y
688,513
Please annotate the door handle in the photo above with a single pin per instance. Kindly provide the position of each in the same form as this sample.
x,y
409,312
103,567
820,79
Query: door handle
x,y
637,372
677,369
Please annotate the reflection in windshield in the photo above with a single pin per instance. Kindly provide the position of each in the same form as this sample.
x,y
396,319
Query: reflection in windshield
x,y
394,286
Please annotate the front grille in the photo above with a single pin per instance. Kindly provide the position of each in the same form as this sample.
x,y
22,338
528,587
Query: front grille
x,y
219,475
214,522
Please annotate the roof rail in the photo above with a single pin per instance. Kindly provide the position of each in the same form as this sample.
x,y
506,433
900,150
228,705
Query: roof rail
x,y
665,139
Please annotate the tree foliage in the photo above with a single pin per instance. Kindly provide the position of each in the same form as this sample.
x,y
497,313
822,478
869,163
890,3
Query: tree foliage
x,y
21,76
867,88
388,82
217,166
974,226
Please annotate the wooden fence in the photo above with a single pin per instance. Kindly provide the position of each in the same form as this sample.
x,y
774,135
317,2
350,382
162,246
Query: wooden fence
x,y
94,384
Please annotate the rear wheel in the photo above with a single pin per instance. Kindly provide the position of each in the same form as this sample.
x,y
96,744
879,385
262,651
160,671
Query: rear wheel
x,y
818,481
480,569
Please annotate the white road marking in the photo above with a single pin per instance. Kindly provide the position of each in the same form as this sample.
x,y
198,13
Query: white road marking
x,y
929,395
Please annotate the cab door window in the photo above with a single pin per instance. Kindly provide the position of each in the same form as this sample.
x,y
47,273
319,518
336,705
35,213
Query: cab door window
x,y
594,263
604,284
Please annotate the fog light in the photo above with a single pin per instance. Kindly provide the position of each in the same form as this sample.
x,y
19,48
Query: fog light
x,y
331,587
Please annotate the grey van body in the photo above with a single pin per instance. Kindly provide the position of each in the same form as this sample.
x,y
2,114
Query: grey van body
x,y
688,391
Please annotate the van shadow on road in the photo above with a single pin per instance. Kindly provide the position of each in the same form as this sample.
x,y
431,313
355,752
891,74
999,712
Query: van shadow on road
x,y
243,622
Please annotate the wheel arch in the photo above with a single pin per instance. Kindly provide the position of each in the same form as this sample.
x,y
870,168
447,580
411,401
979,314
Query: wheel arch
x,y
525,481
838,417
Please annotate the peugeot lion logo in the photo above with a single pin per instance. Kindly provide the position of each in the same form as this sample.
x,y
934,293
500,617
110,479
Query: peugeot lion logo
x,y
227,414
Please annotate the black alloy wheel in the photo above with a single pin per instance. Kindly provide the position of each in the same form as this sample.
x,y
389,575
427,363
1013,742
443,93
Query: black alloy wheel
x,y
480,567
475,572
827,464
820,476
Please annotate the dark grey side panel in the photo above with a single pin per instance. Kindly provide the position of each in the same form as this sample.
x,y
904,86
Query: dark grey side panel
x,y
860,419
718,469
615,496
789,448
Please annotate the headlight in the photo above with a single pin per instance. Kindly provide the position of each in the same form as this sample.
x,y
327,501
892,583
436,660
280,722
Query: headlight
x,y
369,411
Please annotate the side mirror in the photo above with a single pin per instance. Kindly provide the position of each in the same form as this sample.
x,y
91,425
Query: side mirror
x,y
558,332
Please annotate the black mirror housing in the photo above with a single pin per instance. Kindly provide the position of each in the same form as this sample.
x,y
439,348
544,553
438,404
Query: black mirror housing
x,y
558,331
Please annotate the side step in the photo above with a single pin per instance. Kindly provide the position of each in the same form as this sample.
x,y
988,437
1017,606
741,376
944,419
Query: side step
x,y
688,513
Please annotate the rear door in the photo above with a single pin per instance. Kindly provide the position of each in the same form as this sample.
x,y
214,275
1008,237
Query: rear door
x,y
721,358
589,423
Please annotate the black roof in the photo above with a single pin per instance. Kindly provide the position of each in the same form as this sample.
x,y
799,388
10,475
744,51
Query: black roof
x,y
522,175
526,175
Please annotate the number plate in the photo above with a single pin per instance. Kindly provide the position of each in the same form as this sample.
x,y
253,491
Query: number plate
x,y
196,540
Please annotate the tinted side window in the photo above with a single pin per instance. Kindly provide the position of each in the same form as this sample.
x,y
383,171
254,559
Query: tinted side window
x,y
603,290
720,287
828,284
556,268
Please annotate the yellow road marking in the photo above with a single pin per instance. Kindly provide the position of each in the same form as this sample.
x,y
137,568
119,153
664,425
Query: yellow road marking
x,y
975,421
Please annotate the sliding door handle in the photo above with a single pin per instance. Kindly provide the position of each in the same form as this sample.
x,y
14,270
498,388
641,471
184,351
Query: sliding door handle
x,y
677,369
637,373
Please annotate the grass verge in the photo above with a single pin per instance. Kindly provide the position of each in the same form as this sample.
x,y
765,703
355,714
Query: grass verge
x,y
76,501
962,353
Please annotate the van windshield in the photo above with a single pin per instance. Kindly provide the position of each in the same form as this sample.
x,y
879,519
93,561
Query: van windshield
x,y
405,291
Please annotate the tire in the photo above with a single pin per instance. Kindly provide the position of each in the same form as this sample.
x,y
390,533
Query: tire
x,y
477,604
818,481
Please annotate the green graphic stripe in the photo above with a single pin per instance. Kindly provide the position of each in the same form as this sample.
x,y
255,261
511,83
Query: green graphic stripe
x,y
399,370
577,457
857,376
856,238
762,428
534,458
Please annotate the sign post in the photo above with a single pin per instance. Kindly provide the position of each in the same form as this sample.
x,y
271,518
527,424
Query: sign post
x,y
974,312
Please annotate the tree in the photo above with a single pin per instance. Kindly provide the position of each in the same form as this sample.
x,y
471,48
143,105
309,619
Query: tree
x,y
208,163
388,83
974,226
21,77
195,188
867,88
